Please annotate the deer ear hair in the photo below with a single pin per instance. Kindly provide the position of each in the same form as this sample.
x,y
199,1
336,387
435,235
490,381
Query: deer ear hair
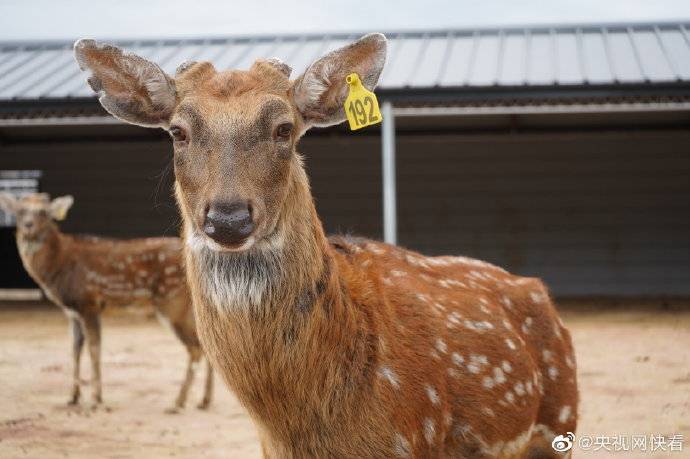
x,y
8,203
60,206
129,87
320,92
279,65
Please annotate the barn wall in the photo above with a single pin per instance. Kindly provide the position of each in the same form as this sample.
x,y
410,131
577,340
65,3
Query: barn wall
x,y
592,213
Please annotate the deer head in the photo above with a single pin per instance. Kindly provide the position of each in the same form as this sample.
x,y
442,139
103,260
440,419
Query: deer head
x,y
35,212
234,132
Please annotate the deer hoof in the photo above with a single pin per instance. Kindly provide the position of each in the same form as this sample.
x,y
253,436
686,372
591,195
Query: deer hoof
x,y
203,405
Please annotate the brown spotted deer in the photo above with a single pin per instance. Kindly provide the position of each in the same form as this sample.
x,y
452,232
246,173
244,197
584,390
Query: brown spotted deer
x,y
84,275
342,347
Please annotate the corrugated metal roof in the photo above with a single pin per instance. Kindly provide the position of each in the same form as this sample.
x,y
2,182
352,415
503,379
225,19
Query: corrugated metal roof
x,y
563,56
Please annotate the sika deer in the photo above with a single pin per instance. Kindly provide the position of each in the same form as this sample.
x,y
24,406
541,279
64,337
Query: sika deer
x,y
84,275
348,347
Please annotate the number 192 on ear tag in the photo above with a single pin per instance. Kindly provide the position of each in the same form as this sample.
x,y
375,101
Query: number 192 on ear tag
x,y
361,106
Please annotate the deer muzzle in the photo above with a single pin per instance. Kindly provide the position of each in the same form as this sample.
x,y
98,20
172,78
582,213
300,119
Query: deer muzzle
x,y
229,223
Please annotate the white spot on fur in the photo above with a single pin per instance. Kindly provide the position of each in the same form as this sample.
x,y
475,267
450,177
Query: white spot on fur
x,y
389,375
488,411
429,430
481,359
564,414
375,250
546,355
499,376
439,306
526,325
401,446
479,325
510,397
488,382
454,318
441,346
451,283
432,394
507,367
537,297
457,359
553,373
512,448
519,389
511,345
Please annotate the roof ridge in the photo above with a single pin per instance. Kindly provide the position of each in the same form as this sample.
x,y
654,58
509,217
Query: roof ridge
x,y
10,45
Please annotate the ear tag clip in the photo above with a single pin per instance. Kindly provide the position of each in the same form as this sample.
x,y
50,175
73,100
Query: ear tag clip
x,y
361,106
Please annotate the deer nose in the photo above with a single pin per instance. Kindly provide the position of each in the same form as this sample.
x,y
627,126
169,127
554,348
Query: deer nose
x,y
229,223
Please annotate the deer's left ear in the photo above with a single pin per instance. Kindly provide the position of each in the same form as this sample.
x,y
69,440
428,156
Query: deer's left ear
x,y
8,203
321,91
128,86
60,206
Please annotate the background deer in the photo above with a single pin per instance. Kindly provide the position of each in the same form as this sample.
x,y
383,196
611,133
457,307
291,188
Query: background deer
x,y
347,347
84,275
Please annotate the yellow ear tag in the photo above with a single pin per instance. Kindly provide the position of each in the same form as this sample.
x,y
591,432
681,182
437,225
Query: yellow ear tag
x,y
361,106
61,215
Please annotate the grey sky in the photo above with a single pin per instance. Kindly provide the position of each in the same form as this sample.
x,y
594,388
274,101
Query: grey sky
x,y
68,19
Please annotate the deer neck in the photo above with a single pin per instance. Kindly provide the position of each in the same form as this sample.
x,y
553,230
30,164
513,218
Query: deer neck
x,y
281,339
40,253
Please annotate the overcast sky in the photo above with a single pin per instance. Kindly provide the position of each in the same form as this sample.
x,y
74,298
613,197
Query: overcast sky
x,y
69,19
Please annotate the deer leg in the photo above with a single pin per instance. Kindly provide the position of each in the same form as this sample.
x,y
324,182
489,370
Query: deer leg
x,y
187,382
93,339
208,387
77,346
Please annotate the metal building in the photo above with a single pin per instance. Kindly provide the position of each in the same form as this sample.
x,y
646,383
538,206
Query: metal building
x,y
560,152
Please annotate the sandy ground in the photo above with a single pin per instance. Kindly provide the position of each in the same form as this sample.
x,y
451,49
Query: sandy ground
x,y
634,373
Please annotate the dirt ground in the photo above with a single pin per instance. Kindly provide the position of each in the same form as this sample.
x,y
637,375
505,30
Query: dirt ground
x,y
634,374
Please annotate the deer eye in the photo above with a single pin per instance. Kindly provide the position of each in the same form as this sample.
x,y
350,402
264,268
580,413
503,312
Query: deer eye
x,y
283,132
178,134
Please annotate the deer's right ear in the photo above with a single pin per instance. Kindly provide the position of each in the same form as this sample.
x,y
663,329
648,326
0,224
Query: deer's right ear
x,y
60,206
8,203
128,86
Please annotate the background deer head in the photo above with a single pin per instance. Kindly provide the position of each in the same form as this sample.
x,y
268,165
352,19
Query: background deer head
x,y
35,212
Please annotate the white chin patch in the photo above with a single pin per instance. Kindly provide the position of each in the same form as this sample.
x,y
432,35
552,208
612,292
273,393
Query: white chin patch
x,y
198,242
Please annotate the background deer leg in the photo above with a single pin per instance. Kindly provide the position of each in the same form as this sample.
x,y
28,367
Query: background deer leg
x,y
92,325
77,346
208,387
194,355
